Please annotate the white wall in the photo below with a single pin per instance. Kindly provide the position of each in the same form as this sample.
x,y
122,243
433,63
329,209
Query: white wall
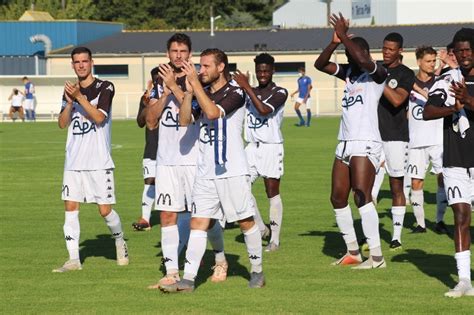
x,y
434,11
301,13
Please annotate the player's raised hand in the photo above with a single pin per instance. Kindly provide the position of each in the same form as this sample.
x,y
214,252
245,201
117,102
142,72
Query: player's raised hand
x,y
459,91
189,87
241,79
72,89
165,71
340,24
190,71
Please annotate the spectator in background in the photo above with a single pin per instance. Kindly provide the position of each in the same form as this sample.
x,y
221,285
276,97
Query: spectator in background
x,y
304,97
16,97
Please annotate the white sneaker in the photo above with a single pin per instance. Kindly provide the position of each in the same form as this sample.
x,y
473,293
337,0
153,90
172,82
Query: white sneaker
x,y
371,264
464,287
70,265
122,254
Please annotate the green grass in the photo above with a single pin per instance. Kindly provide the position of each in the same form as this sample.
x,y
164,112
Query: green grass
x,y
299,276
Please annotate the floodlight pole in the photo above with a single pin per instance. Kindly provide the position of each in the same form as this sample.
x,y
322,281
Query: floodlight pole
x,y
213,19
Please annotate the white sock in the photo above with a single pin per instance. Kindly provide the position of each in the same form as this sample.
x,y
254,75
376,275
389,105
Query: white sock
x,y
398,215
346,226
115,226
417,201
370,226
257,217
463,262
169,247
379,176
148,197
253,242
276,217
441,204
406,187
194,253
184,227
216,239
72,232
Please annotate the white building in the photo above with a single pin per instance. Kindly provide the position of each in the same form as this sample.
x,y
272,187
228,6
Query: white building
x,y
313,13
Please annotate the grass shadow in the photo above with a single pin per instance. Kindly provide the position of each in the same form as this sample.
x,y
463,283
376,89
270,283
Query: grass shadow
x,y
333,246
102,246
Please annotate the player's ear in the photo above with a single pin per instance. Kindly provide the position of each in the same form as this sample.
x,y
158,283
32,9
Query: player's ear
x,y
221,67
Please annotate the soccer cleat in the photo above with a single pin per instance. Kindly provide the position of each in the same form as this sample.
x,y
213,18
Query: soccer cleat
x,y
141,225
257,280
220,272
183,285
348,259
464,287
70,265
419,229
300,124
395,245
371,264
441,228
272,247
122,254
266,233
168,279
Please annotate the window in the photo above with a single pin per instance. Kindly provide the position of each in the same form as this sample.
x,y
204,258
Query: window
x,y
288,67
111,70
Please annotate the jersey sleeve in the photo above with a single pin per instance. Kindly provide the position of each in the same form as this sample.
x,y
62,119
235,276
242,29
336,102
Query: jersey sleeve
x,y
277,99
105,99
438,94
234,99
407,80
63,103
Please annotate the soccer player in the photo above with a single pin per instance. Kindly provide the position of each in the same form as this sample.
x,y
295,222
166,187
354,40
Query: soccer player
x,y
176,162
426,140
264,112
16,97
452,97
360,147
304,97
149,160
222,186
393,125
29,102
89,168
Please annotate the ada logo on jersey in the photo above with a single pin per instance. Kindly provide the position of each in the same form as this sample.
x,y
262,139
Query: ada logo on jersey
x,y
255,122
81,128
352,100
417,112
169,120
208,135
393,83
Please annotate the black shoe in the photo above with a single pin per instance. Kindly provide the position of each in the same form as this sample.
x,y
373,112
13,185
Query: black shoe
x,y
419,229
301,124
441,228
395,245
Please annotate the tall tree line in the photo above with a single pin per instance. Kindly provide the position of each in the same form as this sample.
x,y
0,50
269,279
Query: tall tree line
x,y
152,14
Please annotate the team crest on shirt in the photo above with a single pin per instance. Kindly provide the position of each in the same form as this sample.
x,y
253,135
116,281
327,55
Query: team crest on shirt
x,y
393,83
417,112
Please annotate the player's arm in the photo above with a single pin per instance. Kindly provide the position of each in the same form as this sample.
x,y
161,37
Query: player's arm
x,y
154,109
206,104
436,107
185,110
93,113
11,96
243,82
167,74
396,96
142,109
64,118
460,92
323,64
310,87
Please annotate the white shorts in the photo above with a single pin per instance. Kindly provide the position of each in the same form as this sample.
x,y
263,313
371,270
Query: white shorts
x,y
301,101
173,190
459,184
345,150
396,157
419,159
223,198
29,104
265,160
149,168
89,186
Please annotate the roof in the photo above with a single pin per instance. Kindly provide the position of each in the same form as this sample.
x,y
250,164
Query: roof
x,y
36,16
284,40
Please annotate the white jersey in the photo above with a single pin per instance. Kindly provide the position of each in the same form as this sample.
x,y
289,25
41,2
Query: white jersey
x,y
422,132
359,119
88,145
221,147
266,129
17,100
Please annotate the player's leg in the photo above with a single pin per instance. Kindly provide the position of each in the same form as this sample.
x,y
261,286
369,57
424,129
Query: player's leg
x,y
340,189
254,250
11,112
308,112
21,113
272,188
148,195
252,160
379,176
112,219
441,205
362,176
298,113
215,236
417,202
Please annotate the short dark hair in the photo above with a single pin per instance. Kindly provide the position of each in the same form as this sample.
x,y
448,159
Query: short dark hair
x,y
362,43
421,51
81,50
264,58
25,78
395,37
15,91
465,34
301,69
154,71
180,38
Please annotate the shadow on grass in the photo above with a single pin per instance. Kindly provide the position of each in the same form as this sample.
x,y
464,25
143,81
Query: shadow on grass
x,y
441,267
102,246
333,246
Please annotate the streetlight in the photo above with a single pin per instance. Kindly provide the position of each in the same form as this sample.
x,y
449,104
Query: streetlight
x,y
213,19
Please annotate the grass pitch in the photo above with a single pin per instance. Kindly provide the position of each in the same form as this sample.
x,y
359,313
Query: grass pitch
x,y
299,276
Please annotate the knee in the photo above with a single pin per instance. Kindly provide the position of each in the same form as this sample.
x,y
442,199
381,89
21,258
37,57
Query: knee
x,y
246,224
168,218
361,197
338,202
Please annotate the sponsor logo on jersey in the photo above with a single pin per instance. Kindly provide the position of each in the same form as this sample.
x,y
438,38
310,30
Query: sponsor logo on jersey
x,y
352,100
169,120
207,134
82,128
417,112
254,122
65,190
162,198
452,191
